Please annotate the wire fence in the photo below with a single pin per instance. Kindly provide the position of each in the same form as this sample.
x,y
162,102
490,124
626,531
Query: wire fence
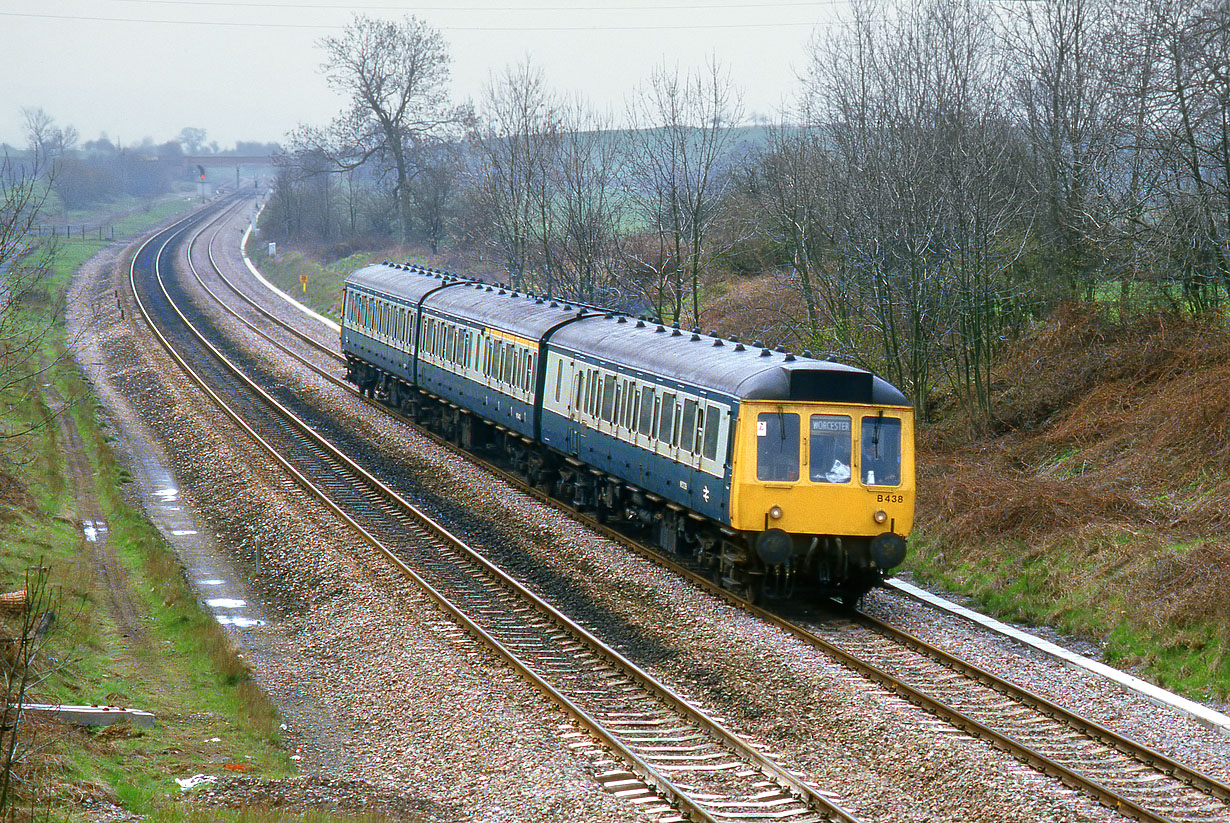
x,y
68,232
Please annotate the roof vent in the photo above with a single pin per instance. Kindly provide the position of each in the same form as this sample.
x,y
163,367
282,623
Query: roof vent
x,y
829,358
622,319
717,341
757,344
658,329
766,353
675,331
739,347
734,338
488,288
608,316
807,353
514,294
781,349
502,291
538,301
789,358
695,337
640,324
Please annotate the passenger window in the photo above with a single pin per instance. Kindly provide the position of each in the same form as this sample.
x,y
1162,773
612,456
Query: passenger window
x,y
829,458
647,397
608,398
712,416
689,425
777,446
507,372
880,452
666,422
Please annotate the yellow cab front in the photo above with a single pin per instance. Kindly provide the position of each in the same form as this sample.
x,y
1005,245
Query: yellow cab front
x,y
823,469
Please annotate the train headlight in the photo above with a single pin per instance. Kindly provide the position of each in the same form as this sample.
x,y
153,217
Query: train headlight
x,y
880,516
775,513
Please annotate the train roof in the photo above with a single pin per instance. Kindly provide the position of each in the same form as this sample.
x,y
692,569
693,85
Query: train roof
x,y
513,312
406,282
710,363
744,372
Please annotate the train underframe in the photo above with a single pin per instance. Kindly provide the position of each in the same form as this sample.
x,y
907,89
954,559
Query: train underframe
x,y
819,566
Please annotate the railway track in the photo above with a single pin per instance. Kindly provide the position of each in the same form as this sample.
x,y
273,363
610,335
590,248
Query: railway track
x,y
679,762
1123,775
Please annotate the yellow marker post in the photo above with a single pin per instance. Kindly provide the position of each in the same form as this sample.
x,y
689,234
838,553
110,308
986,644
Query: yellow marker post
x,y
303,278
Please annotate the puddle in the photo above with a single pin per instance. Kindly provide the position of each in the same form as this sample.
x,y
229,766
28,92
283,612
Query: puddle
x,y
93,529
210,568
238,621
225,603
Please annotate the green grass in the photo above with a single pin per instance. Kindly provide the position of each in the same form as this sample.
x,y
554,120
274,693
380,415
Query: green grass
x,y
178,664
324,282
1088,588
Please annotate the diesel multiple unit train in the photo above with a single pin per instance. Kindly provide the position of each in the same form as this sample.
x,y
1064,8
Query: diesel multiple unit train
x,y
779,474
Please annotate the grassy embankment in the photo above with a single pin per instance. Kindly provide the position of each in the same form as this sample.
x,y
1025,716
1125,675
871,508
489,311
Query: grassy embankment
x,y
156,650
1101,506
324,287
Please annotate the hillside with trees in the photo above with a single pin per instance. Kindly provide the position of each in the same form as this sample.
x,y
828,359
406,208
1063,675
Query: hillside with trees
x,y
1018,213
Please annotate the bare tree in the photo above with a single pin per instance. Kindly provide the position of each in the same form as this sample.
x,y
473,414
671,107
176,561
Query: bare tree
x,y
793,184
192,139
23,668
516,137
926,217
589,164
678,153
47,141
29,308
396,74
1064,91
434,190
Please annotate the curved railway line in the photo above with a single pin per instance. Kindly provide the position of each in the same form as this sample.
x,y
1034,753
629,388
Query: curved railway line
x,y
1125,776
677,757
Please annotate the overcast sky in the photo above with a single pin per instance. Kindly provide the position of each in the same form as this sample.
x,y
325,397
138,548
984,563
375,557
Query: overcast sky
x,y
251,70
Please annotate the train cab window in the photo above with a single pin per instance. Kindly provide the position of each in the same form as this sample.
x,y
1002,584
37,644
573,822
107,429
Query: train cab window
x,y
647,397
880,455
712,416
829,457
777,446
